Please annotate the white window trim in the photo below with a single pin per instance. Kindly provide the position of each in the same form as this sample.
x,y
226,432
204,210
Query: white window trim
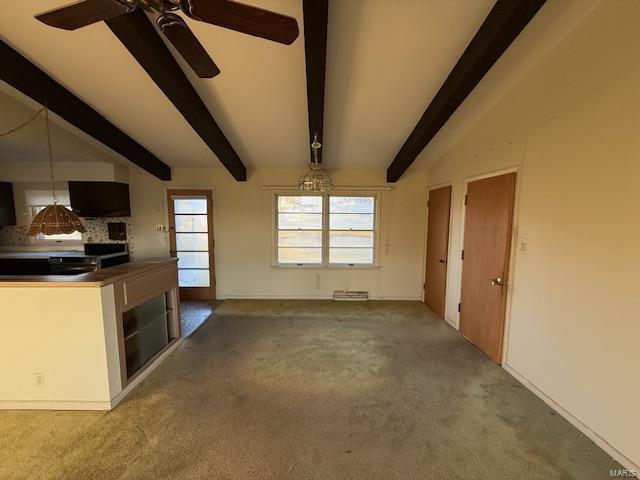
x,y
325,230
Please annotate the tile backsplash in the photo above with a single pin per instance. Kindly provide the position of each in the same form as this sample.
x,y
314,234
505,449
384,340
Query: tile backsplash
x,y
97,232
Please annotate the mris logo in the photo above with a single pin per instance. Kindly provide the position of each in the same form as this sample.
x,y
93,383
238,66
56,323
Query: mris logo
x,y
623,473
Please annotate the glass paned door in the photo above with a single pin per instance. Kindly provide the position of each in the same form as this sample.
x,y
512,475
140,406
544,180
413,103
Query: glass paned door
x,y
191,221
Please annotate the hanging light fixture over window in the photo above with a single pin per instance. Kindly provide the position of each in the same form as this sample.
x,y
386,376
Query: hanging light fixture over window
x,y
54,219
315,180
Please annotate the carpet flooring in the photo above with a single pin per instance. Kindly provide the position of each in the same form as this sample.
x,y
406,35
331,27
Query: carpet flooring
x,y
310,390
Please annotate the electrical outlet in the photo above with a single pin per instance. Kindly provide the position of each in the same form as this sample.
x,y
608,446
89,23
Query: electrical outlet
x,y
38,378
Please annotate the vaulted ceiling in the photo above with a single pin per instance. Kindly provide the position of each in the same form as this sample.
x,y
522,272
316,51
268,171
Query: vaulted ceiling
x,y
29,143
385,62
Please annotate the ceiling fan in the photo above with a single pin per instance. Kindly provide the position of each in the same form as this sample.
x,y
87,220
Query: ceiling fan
x,y
224,13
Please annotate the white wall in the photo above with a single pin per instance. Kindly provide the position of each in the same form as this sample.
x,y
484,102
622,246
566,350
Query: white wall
x,y
572,126
32,171
244,233
28,145
66,334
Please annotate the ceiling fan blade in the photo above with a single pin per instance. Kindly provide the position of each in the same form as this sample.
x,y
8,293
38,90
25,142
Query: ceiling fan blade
x,y
243,18
183,39
84,13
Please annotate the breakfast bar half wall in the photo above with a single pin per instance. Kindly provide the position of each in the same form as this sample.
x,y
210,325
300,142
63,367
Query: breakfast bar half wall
x,y
82,342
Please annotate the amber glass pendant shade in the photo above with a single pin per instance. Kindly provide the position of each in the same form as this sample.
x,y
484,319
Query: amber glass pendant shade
x,y
55,220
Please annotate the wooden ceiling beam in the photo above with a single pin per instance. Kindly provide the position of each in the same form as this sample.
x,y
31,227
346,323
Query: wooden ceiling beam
x,y
315,14
504,23
24,76
140,37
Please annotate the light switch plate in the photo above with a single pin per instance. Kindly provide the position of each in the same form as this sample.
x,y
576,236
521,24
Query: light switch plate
x,y
522,244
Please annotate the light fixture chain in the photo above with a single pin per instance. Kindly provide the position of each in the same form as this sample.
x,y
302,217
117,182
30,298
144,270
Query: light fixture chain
x,y
50,154
53,182
24,124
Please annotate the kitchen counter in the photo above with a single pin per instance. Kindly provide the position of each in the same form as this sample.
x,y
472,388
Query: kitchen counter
x,y
82,342
98,278
44,254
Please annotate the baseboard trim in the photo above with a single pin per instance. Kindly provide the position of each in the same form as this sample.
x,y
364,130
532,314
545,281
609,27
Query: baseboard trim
x,y
233,296
451,322
53,405
136,381
576,422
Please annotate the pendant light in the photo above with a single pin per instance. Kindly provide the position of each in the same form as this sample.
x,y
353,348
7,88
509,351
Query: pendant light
x,y
315,180
54,219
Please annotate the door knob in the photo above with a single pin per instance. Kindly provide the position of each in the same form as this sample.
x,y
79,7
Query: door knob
x,y
442,260
499,281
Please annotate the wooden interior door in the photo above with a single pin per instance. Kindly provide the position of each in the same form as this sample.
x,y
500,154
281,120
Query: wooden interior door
x,y
487,244
437,249
191,240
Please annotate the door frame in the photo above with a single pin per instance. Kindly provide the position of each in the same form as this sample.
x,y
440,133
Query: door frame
x,y
449,250
512,251
203,190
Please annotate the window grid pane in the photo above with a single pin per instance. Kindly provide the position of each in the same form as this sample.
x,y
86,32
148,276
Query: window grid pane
x,y
190,205
300,238
362,256
189,223
193,278
300,221
300,255
351,239
351,204
351,221
193,260
193,242
300,204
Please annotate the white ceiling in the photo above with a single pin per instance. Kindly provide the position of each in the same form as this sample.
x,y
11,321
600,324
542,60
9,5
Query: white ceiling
x,y
385,61
29,143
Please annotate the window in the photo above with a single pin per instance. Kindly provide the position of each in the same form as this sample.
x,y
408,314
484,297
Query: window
x,y
331,230
37,200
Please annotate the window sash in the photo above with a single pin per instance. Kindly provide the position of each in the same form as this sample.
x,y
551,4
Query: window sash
x,y
364,225
307,225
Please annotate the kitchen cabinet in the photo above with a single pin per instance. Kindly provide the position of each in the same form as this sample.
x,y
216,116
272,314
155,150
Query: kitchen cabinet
x,y
7,207
102,332
100,199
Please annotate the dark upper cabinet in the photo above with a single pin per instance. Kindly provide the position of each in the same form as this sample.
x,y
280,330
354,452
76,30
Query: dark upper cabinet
x,y
100,199
7,207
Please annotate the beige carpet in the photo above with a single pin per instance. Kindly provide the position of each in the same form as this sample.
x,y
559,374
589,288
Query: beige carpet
x,y
311,390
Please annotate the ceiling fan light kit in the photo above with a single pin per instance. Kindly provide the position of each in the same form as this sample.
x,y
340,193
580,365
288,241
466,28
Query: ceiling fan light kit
x,y
223,13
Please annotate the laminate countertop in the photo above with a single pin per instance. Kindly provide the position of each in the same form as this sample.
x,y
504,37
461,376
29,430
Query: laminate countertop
x,y
98,278
40,254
